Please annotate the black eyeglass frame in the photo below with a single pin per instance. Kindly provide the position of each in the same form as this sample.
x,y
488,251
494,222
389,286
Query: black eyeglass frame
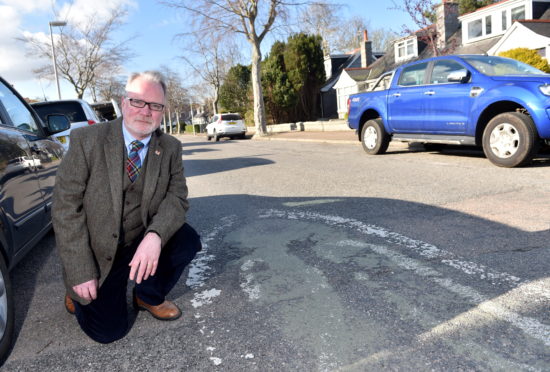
x,y
139,103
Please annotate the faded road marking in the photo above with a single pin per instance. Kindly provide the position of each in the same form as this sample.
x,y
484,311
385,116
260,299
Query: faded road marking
x,y
424,249
530,326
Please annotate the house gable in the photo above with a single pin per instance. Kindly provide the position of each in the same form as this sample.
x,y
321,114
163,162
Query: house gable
x,y
525,34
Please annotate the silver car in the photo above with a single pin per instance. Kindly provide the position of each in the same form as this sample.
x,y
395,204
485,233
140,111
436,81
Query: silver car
x,y
226,125
78,111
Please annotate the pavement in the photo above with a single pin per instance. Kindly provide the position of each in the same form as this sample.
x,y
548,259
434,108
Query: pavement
x,y
347,136
312,136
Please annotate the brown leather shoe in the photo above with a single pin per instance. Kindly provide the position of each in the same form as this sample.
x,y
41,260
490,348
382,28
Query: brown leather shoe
x,y
165,311
69,305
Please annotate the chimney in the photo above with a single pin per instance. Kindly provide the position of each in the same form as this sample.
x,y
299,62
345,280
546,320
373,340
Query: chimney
x,y
366,51
447,21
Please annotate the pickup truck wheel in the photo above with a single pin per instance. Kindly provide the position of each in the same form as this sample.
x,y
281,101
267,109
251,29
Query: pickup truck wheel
x,y
374,138
510,140
6,311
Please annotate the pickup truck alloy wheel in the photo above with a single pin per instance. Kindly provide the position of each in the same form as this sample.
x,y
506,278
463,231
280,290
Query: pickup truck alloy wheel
x,y
6,311
374,138
510,139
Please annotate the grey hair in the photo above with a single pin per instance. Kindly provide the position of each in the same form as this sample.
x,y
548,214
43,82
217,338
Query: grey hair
x,y
151,75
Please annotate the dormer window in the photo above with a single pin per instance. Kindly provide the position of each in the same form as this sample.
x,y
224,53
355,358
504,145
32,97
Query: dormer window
x,y
406,49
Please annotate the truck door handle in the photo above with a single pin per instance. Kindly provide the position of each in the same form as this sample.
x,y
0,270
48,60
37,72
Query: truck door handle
x,y
476,91
396,94
429,93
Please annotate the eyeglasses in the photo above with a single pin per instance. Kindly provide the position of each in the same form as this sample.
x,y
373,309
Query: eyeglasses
x,y
141,104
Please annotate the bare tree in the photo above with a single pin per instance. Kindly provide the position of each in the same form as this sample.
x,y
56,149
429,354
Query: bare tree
x,y
253,19
322,19
341,34
215,55
176,98
84,52
422,13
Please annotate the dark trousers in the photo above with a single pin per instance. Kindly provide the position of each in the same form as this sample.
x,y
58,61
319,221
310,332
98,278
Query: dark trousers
x,y
105,319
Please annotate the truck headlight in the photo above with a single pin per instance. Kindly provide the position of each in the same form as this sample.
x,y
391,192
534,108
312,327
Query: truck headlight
x,y
545,89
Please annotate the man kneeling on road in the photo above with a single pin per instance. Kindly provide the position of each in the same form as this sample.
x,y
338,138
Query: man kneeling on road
x,y
119,210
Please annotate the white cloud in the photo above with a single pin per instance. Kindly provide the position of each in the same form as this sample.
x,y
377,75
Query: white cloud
x,y
15,64
82,12
27,6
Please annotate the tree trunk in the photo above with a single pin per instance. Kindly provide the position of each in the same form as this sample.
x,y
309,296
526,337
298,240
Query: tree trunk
x,y
259,107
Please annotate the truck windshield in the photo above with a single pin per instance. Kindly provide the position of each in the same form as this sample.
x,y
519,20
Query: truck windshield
x,y
498,66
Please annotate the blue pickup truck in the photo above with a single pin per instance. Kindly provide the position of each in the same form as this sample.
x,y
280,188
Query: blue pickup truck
x,y
498,103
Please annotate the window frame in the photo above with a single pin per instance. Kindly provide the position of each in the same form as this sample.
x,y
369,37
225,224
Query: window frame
x,y
406,44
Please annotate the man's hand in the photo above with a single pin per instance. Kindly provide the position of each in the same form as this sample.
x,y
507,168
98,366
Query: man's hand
x,y
87,290
146,258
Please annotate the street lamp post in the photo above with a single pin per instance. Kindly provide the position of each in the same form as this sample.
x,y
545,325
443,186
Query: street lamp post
x,y
55,24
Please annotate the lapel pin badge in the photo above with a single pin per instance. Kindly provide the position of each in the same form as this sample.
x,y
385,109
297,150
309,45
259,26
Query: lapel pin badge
x,y
157,152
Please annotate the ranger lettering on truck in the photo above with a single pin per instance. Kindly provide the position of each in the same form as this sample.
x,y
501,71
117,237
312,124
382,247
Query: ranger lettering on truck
x,y
500,104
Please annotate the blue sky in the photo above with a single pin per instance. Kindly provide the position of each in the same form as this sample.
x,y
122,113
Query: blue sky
x,y
152,25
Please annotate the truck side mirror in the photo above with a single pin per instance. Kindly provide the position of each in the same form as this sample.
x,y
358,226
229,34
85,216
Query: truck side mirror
x,y
57,123
459,76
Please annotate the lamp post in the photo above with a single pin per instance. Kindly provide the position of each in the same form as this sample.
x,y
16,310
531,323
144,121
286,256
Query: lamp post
x,y
55,24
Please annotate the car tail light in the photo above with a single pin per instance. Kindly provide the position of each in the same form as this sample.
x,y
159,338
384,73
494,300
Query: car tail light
x,y
220,120
349,104
90,122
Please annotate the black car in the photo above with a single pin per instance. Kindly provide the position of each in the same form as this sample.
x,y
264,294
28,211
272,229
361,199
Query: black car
x,y
29,158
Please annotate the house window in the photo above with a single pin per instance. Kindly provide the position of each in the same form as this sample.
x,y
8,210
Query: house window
x,y
518,13
406,49
504,21
488,30
475,29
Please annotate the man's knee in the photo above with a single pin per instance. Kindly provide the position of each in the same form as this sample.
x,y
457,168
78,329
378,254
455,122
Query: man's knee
x,y
100,327
186,240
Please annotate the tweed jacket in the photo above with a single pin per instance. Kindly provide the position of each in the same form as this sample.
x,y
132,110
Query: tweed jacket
x,y
87,204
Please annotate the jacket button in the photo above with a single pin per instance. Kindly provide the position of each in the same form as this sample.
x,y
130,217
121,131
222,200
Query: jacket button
x,y
109,258
115,236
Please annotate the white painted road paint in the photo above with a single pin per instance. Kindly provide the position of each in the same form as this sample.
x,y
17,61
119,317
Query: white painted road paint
x,y
506,307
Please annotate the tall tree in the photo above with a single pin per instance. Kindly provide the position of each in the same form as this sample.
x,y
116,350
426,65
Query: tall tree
x,y
306,72
236,90
84,51
211,57
323,19
176,98
280,95
294,73
253,19
340,34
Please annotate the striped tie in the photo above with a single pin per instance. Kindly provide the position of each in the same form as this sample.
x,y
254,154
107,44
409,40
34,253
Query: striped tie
x,y
133,164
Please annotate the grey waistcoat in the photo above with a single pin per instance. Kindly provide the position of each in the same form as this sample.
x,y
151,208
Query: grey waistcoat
x,y
132,224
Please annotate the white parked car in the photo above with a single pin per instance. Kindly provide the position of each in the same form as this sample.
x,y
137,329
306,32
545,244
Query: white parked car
x,y
226,125
78,111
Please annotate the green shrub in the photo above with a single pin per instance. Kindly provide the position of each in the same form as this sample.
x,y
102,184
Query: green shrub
x,y
529,56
